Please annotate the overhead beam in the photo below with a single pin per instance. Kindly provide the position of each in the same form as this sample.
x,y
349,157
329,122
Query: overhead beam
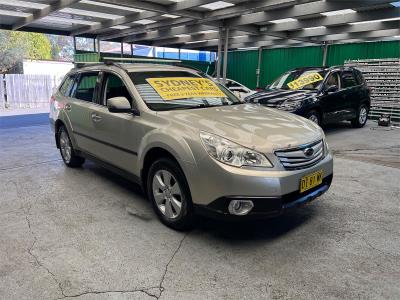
x,y
245,7
41,13
344,28
313,34
357,35
117,34
301,10
211,46
237,10
167,33
179,8
360,16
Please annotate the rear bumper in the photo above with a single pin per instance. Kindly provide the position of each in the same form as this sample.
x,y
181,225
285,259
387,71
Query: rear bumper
x,y
264,206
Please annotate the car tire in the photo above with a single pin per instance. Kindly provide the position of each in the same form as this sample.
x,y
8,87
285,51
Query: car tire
x,y
314,116
68,154
361,118
169,193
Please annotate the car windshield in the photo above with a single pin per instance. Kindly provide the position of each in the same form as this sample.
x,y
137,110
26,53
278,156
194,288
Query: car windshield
x,y
168,90
310,79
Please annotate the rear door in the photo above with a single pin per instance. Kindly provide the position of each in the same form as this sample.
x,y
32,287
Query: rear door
x,y
352,94
79,108
117,134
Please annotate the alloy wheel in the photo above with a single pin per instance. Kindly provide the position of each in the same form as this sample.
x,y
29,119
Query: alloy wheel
x,y
167,194
314,118
65,146
363,115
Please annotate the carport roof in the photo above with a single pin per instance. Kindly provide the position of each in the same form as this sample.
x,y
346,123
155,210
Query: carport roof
x,y
195,24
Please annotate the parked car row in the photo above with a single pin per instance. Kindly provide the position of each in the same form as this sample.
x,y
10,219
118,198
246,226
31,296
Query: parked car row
x,y
196,148
322,95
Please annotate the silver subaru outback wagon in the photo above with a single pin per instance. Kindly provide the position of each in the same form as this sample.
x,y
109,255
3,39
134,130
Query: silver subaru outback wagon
x,y
192,145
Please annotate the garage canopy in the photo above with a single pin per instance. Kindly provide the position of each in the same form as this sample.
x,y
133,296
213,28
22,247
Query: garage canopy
x,y
198,24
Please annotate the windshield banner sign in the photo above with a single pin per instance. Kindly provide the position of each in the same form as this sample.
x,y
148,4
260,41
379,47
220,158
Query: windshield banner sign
x,y
173,88
304,80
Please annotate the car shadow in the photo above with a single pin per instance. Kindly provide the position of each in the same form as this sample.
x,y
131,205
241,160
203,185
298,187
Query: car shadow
x,y
254,230
241,230
115,178
336,127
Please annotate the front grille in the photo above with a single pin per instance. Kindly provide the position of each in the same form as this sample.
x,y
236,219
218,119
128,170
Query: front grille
x,y
297,158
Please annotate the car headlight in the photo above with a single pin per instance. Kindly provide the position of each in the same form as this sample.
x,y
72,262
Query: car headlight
x,y
290,105
326,147
231,153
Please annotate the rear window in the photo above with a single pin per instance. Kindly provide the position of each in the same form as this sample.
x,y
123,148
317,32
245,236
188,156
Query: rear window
x,y
66,85
201,91
86,86
348,79
359,77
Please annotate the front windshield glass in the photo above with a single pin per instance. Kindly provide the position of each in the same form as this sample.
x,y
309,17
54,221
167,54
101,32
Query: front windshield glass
x,y
310,79
168,90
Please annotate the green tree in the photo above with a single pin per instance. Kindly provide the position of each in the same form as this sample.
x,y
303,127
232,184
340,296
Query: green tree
x,y
16,45
39,46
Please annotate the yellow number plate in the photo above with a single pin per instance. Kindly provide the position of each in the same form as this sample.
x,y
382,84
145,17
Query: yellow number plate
x,y
309,181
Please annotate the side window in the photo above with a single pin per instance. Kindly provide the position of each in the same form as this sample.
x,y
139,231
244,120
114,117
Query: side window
x,y
360,77
115,87
66,85
332,80
86,86
348,79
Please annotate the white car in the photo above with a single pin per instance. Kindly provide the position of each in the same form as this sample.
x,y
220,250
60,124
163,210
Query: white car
x,y
238,89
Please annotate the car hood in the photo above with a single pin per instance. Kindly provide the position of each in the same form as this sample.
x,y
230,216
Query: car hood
x,y
250,125
276,97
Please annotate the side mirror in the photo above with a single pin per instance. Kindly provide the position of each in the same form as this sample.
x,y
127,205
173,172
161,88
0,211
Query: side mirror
x,y
331,89
119,105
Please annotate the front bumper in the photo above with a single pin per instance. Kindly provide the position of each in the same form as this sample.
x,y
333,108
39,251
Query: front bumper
x,y
210,180
264,206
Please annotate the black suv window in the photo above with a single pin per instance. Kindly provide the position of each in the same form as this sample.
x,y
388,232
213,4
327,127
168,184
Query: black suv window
x,y
115,87
86,86
359,77
348,79
66,85
333,80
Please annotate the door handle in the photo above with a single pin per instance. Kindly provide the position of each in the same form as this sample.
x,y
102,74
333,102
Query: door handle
x,y
96,117
68,107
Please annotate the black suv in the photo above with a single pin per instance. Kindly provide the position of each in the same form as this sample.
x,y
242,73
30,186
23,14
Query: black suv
x,y
321,94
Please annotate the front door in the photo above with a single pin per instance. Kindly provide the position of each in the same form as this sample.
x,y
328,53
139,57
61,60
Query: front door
x,y
332,102
118,134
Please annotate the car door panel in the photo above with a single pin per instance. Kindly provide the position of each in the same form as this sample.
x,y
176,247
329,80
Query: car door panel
x,y
332,103
79,110
117,134
352,95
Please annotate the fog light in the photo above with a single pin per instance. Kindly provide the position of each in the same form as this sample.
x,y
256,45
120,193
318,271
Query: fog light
x,y
240,207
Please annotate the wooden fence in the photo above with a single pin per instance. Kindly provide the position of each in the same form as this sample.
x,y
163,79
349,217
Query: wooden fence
x,y
26,91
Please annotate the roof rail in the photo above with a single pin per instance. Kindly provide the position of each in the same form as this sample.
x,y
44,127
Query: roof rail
x,y
136,59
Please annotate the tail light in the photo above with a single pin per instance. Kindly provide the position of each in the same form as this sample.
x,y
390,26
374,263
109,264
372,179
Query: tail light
x,y
56,104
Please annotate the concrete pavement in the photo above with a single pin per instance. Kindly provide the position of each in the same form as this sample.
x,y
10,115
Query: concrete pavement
x,y
88,234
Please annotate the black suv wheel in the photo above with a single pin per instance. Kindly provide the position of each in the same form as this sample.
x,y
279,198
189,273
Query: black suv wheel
x,y
169,193
362,116
314,116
